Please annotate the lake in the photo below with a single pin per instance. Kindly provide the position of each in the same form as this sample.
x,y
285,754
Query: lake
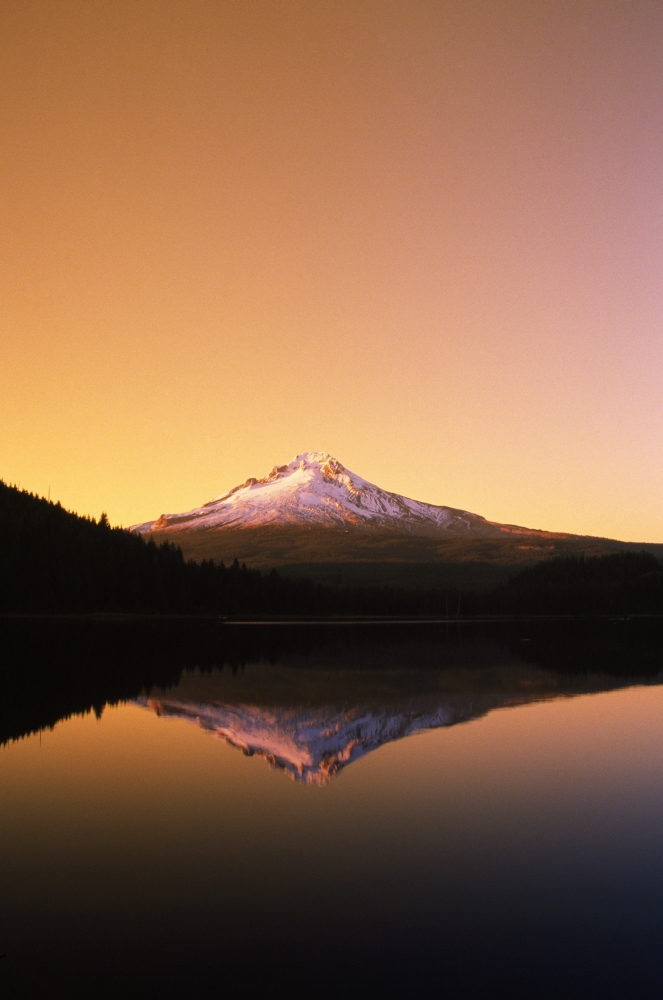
x,y
299,811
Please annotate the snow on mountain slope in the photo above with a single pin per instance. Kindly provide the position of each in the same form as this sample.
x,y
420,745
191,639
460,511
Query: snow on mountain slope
x,y
316,490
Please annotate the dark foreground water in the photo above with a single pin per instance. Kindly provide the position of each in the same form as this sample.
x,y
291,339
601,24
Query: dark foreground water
x,y
342,811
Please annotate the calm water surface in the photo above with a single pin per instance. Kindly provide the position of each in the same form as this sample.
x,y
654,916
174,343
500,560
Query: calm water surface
x,y
415,816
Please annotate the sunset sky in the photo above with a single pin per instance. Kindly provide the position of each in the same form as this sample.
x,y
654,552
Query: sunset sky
x,y
426,237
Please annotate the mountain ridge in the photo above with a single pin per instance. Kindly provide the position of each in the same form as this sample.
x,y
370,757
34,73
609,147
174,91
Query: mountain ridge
x,y
313,517
315,490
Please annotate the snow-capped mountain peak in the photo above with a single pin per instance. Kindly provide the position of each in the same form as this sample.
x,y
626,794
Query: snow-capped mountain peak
x,y
309,467
314,489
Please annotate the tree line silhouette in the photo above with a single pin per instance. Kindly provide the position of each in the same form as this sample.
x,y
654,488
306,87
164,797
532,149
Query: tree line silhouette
x,y
55,562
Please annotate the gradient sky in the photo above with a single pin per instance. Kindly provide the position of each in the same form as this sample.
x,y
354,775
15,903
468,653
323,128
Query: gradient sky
x,y
424,236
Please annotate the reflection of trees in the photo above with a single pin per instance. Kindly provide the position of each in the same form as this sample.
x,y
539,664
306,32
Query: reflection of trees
x,y
52,668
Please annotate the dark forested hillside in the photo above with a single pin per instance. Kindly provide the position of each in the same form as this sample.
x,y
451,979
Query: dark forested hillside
x,y
372,557
54,562
619,583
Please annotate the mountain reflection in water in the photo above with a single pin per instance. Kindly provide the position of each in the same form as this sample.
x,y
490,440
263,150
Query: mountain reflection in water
x,y
311,723
308,698
517,854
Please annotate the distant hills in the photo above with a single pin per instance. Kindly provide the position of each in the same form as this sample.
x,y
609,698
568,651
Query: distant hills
x,y
315,518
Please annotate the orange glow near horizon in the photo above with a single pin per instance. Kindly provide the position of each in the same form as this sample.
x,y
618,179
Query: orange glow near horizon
x,y
424,237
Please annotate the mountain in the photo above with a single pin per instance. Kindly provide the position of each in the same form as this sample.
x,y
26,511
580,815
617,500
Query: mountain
x,y
315,518
315,490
